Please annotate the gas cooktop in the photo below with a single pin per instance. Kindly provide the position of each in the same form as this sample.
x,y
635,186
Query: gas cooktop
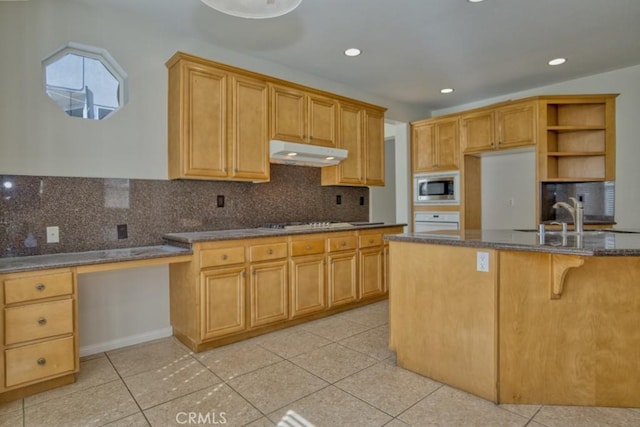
x,y
312,225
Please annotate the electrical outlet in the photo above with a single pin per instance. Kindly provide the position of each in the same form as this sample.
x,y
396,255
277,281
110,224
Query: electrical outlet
x,y
122,231
482,261
361,200
511,202
53,234
338,199
220,201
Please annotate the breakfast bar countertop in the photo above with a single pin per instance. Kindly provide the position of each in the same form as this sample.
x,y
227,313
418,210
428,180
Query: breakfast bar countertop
x,y
590,243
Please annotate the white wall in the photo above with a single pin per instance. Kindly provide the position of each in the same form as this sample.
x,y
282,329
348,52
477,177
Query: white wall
x,y
382,200
626,82
508,191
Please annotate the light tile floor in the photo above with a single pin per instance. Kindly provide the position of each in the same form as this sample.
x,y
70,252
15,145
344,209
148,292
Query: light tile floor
x,y
335,371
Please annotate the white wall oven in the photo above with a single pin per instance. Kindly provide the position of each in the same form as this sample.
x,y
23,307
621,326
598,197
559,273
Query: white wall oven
x,y
437,188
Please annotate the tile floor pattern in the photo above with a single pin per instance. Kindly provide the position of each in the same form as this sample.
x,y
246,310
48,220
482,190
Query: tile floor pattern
x,y
335,371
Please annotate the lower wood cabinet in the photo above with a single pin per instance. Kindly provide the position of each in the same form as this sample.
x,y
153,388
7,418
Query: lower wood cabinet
x,y
268,293
223,301
38,332
237,289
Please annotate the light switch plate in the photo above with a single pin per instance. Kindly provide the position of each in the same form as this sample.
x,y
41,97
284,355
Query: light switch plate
x,y
483,261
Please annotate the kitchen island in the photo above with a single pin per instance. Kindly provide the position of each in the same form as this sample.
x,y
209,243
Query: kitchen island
x,y
515,317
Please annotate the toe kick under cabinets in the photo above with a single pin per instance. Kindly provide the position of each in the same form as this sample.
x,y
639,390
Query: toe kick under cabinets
x,y
236,289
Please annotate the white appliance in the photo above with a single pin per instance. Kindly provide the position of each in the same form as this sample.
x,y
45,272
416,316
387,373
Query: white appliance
x,y
436,188
433,221
291,153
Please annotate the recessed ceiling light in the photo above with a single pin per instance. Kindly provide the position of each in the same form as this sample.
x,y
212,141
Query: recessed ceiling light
x,y
557,61
353,51
446,90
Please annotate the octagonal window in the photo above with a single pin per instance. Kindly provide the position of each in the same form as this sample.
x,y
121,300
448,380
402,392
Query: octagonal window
x,y
85,81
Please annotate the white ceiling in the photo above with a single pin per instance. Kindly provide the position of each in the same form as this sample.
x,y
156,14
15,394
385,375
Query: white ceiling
x,y
413,48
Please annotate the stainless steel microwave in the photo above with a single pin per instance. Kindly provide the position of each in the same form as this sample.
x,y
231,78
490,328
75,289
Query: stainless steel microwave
x,y
437,188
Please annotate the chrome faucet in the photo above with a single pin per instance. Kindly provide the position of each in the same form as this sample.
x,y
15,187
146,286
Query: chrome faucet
x,y
576,211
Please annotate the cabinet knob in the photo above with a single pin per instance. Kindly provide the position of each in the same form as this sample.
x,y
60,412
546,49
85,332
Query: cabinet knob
x,y
370,240
224,257
42,361
343,244
42,321
40,287
270,252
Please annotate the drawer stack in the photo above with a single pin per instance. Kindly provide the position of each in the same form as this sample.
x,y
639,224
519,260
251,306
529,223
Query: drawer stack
x,y
39,328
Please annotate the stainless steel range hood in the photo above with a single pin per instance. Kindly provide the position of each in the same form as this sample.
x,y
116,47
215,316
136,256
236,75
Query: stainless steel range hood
x,y
291,153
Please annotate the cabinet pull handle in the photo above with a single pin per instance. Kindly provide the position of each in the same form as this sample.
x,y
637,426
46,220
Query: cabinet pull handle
x,y
42,361
40,287
270,252
224,257
42,321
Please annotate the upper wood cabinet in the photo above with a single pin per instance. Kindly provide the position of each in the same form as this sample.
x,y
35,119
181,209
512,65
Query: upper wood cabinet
x,y
435,144
304,117
361,132
218,122
505,127
577,138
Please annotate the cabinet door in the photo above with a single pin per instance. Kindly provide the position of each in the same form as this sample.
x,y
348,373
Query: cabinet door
x,y
203,131
478,132
447,144
323,116
223,302
423,151
307,285
516,125
248,126
371,272
374,148
268,293
342,278
288,114
350,169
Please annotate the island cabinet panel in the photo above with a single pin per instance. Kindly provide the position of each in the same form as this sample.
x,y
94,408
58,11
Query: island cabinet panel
x,y
442,315
580,349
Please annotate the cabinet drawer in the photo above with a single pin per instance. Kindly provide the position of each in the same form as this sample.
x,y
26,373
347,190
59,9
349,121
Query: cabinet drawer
x,y
342,243
307,247
268,252
39,361
35,321
223,256
37,287
369,240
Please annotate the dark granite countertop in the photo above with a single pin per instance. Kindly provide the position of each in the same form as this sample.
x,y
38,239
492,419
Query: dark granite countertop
x,y
591,243
250,233
74,259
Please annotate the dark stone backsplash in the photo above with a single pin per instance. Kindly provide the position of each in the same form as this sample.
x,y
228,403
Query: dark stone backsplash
x,y
88,210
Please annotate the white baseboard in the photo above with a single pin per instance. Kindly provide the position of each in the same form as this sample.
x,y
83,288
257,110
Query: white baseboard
x,y
88,350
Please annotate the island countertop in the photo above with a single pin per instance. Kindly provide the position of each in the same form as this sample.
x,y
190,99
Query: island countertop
x,y
590,243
